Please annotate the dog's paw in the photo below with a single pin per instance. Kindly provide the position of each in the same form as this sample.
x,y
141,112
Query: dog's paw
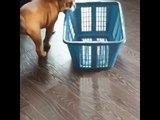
x,y
53,32
47,47
42,55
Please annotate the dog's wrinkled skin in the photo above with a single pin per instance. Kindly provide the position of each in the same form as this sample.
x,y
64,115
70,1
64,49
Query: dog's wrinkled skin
x,y
39,14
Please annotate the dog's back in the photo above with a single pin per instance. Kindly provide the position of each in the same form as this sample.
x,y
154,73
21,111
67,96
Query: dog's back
x,y
22,25
22,2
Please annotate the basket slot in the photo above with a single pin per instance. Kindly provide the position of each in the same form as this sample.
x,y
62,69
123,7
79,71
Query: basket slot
x,y
102,54
86,21
86,54
101,18
85,60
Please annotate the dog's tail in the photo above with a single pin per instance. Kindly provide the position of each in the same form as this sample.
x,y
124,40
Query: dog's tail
x,y
22,25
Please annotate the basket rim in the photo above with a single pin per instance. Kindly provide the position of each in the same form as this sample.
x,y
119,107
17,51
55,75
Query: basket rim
x,y
93,42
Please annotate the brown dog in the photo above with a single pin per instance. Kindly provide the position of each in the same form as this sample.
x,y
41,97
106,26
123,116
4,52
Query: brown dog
x,y
39,14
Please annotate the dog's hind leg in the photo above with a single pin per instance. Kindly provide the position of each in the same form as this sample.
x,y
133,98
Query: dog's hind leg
x,y
36,37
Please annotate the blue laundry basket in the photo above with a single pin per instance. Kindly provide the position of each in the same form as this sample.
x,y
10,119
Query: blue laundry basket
x,y
94,33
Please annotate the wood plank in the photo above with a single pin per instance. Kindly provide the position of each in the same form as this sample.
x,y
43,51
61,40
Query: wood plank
x,y
45,106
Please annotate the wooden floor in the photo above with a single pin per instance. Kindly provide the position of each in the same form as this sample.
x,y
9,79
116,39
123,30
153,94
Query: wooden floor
x,y
52,90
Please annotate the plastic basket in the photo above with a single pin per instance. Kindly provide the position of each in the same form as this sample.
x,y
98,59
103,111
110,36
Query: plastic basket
x,y
94,33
